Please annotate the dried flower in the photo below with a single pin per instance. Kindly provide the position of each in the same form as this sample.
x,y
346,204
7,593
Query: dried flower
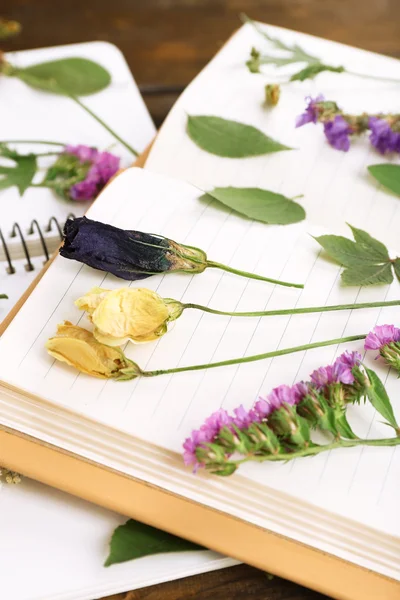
x,y
10,477
272,94
81,172
382,137
8,28
312,111
386,339
139,315
278,427
78,348
135,255
337,133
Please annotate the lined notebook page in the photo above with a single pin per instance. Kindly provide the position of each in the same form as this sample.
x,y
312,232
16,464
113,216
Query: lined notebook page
x,y
336,185
359,483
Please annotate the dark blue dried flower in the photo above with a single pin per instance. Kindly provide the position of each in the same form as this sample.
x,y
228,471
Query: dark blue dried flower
x,y
135,255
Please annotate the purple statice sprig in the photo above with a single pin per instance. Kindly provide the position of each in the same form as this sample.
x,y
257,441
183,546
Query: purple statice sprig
x,y
340,127
81,172
278,427
385,339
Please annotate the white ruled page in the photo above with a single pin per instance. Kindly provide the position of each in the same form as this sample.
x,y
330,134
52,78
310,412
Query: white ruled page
x,y
359,483
336,185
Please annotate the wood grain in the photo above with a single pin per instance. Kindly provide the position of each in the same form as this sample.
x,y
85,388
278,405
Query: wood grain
x,y
166,43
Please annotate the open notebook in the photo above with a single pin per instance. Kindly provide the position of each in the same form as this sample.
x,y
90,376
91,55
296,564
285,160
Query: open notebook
x,y
134,430
29,114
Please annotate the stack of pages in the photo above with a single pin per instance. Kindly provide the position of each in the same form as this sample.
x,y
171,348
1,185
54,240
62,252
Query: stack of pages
x,y
330,522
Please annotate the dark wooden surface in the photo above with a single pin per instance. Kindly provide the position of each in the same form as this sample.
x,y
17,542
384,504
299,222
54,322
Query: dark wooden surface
x,y
166,43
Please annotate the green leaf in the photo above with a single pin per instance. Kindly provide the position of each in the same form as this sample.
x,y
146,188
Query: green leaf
x,y
396,267
230,139
313,70
345,251
134,540
3,296
379,398
368,275
388,175
375,248
22,174
74,76
260,205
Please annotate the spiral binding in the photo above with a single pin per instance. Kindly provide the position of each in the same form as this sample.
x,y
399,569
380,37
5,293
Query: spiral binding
x,y
30,245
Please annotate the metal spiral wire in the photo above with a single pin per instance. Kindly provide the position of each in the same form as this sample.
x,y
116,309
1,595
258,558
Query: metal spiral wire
x,y
53,225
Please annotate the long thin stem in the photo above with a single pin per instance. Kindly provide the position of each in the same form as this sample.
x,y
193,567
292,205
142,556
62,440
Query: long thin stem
x,y
254,358
374,77
216,265
294,311
315,449
32,142
115,135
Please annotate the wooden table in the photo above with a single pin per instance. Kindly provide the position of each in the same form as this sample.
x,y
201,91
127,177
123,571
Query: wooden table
x,y
166,43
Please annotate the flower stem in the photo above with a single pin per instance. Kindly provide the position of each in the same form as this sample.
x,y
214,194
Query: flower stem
x,y
316,449
254,358
374,77
92,114
216,265
32,142
294,311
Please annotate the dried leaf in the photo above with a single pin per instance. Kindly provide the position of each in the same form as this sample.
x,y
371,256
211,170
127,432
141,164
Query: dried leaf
x,y
22,174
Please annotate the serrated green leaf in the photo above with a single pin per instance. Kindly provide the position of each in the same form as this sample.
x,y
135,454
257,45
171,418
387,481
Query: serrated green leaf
x,y
135,540
75,76
379,398
345,251
396,267
230,139
387,175
22,174
368,275
313,70
260,205
374,247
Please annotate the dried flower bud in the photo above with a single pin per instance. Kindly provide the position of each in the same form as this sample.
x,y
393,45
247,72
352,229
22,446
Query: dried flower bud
x,y
139,315
287,423
272,94
78,348
131,255
10,477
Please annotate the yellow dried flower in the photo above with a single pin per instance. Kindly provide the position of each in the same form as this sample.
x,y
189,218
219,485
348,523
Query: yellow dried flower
x,y
135,314
272,94
78,348
10,477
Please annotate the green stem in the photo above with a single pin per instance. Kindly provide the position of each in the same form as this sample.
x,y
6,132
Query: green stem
x,y
115,135
247,359
216,265
32,142
374,77
315,449
294,311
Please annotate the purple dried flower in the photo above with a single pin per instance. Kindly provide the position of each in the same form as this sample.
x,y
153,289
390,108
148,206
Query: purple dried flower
x,y
244,418
103,166
381,336
311,113
345,364
207,432
382,137
337,133
84,153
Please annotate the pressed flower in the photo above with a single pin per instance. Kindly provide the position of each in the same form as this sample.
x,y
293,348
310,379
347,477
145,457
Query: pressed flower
x,y
136,255
10,477
278,428
382,137
139,315
338,133
310,115
81,172
386,339
78,348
